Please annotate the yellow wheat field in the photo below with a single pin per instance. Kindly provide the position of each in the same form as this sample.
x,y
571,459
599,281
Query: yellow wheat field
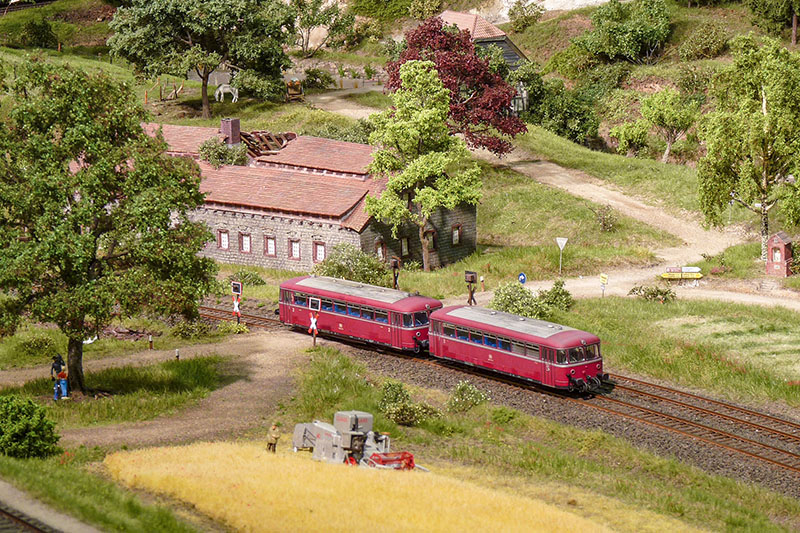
x,y
245,487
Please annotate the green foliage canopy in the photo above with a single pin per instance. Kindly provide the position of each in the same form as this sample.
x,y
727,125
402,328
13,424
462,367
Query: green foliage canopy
x,y
671,114
313,14
94,213
346,261
753,137
25,430
632,31
178,36
422,162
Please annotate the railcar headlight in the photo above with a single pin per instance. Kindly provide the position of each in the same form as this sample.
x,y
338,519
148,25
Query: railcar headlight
x,y
418,334
572,371
598,366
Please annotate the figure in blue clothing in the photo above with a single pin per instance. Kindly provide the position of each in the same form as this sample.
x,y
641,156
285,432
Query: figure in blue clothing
x,y
58,374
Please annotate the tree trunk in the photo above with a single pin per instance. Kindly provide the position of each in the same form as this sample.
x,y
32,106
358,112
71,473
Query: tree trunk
x,y
665,157
204,92
764,228
75,365
794,28
426,253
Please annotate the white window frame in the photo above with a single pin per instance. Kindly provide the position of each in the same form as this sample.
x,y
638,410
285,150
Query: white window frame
x,y
224,240
269,239
245,238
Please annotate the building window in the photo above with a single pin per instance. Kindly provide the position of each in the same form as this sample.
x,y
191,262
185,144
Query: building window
x,y
244,243
456,234
431,235
776,255
223,240
404,246
319,252
380,250
269,246
294,249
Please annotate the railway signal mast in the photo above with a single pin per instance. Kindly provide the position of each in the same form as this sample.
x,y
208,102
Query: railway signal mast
x,y
236,289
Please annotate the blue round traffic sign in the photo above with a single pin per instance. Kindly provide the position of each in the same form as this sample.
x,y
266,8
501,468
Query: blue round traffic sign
x,y
522,278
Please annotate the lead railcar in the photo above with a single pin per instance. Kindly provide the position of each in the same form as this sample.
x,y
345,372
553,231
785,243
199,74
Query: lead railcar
x,y
349,309
536,350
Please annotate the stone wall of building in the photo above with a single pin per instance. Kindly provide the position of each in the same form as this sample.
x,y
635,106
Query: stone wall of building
x,y
258,226
379,236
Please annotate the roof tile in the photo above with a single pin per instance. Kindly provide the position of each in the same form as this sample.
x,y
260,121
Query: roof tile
x,y
323,154
477,26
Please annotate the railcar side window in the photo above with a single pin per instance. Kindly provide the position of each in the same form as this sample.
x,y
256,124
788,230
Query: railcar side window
x,y
353,310
533,351
340,307
406,321
381,316
490,341
369,314
561,356
476,337
300,299
450,331
504,344
421,318
462,334
313,303
327,305
518,348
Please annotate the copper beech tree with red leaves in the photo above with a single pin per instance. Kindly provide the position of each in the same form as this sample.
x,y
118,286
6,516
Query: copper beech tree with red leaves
x,y
480,100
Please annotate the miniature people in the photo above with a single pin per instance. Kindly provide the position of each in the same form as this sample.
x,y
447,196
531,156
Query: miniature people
x,y
55,369
272,440
62,381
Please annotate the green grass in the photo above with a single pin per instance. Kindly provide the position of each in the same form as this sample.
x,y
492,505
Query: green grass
x,y
68,484
70,33
673,186
742,352
541,40
742,261
375,99
137,393
268,292
528,455
16,353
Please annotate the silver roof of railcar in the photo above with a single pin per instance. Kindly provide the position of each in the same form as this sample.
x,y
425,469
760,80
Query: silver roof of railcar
x,y
528,326
352,288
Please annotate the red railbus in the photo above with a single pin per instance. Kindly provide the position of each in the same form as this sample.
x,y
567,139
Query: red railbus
x,y
358,311
536,350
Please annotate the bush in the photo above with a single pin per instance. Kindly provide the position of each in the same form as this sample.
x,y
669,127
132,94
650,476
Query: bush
x,y
381,9
630,31
424,9
653,293
412,266
25,431
630,136
361,31
606,217
392,393
524,14
247,277
38,33
217,153
504,415
37,345
231,328
693,79
557,297
369,72
564,113
464,397
348,262
410,414
316,78
708,41
191,330
572,62
513,297
357,133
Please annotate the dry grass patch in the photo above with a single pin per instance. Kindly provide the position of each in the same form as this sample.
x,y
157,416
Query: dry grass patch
x,y
251,490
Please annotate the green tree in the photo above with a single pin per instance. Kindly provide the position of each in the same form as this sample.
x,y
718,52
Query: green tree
x,y
350,262
94,214
177,36
630,31
775,15
313,14
525,13
671,114
423,163
631,136
753,136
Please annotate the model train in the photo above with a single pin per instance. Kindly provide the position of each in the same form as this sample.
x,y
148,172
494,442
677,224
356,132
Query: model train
x,y
542,352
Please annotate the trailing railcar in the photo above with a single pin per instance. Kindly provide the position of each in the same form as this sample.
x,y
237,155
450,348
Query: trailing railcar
x,y
536,350
359,311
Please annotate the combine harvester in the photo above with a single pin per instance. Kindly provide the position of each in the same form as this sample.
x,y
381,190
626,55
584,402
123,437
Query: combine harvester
x,y
350,440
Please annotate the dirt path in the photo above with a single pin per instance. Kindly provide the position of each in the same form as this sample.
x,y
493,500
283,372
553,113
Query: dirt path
x,y
337,102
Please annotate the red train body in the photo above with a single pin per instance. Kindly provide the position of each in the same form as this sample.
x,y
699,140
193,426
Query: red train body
x,y
359,311
543,352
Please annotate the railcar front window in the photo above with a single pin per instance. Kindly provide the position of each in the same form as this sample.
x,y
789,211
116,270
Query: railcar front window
x,y
561,356
421,318
592,351
575,355
300,300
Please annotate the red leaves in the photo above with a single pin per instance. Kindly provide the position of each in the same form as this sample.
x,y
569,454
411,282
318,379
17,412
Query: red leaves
x,y
480,101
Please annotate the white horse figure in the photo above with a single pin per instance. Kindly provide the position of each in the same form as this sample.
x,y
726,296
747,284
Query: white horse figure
x,y
225,88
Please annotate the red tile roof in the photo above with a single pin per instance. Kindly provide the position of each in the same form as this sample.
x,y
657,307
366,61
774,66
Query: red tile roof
x,y
183,139
323,154
289,191
477,26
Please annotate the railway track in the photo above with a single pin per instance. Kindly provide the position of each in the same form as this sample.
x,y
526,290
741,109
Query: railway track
x,y
12,521
251,321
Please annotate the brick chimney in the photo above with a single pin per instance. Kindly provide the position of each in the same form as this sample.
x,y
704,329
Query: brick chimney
x,y
231,130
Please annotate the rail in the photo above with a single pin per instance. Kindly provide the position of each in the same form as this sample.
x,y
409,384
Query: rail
x,y
13,521
251,321
21,6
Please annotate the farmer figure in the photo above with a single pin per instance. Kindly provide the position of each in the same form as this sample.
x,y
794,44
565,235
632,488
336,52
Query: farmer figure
x,y
62,381
272,441
55,375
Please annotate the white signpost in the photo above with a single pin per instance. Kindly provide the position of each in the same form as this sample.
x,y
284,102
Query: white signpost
x,y
603,283
562,242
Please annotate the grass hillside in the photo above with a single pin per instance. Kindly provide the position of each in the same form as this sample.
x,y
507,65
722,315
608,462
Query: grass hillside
x,y
75,22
